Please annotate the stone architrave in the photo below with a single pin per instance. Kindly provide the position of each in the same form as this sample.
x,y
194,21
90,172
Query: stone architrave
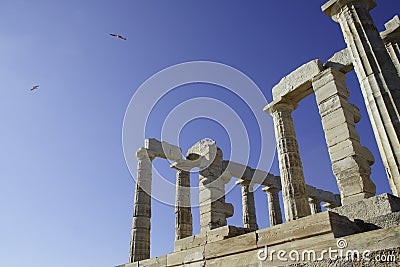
x,y
140,238
380,83
274,208
315,205
391,38
183,210
350,161
292,178
248,206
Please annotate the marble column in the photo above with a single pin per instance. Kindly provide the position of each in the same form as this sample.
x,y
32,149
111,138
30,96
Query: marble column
x,y
274,208
350,161
292,178
183,210
315,205
248,207
140,238
380,83
391,38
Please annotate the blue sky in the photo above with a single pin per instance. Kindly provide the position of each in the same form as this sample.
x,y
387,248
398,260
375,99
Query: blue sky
x,y
66,194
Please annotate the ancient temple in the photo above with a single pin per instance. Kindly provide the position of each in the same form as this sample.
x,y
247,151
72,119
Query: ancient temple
x,y
356,220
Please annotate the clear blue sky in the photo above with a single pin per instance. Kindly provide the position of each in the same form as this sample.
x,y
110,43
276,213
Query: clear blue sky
x,y
66,195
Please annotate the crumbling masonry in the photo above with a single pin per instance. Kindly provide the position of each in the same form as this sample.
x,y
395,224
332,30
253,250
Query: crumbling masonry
x,y
356,214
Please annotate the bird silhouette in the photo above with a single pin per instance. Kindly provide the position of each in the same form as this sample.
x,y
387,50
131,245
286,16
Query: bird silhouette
x,y
118,36
35,87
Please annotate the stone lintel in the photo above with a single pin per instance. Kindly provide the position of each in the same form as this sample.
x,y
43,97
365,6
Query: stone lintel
x,y
332,7
297,84
163,149
392,32
324,196
340,61
269,180
317,224
247,173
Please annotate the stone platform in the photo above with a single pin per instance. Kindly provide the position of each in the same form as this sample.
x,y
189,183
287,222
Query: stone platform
x,y
381,211
231,246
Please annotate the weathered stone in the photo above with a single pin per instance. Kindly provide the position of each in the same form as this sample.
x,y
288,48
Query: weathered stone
x,y
247,173
213,209
373,207
188,256
163,149
298,81
323,195
274,208
317,224
183,209
391,38
380,82
231,245
140,237
340,61
154,262
248,207
292,178
351,168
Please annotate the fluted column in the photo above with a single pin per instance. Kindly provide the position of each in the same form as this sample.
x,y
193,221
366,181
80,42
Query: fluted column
x,y
248,207
350,160
292,178
391,38
140,238
274,208
380,83
315,205
183,210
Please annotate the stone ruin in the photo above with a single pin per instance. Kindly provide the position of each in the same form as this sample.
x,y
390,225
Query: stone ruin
x,y
364,221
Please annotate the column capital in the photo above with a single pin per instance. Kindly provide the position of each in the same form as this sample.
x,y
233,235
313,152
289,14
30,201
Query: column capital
x,y
143,153
333,7
391,34
271,189
280,105
184,165
243,182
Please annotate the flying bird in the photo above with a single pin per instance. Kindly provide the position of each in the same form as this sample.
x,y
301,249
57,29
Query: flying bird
x,y
118,36
35,87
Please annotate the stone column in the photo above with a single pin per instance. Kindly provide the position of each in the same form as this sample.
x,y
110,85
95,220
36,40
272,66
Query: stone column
x,y
292,178
274,208
315,205
140,238
248,207
183,210
391,38
380,83
213,208
350,161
